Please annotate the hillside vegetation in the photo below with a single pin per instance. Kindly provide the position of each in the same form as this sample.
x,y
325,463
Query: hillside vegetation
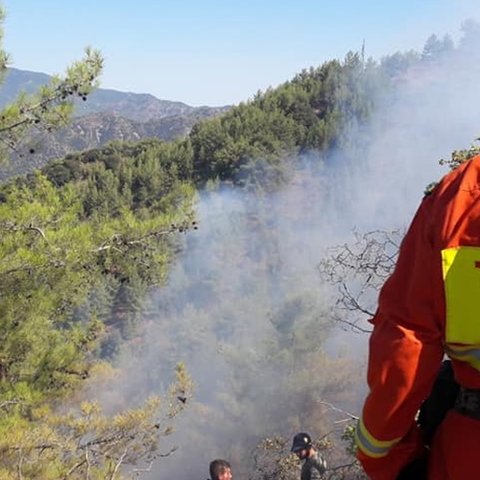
x,y
85,239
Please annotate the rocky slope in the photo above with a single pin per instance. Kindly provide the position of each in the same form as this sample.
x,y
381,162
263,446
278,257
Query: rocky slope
x,y
107,115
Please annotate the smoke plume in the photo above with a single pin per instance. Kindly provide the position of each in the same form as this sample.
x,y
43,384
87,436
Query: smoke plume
x,y
244,306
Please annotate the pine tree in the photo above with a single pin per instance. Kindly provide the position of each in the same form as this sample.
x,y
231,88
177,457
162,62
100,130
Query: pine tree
x,y
50,107
55,248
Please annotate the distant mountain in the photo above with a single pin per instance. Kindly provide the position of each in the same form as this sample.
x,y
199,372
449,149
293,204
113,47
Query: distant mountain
x,y
106,115
134,106
93,131
16,81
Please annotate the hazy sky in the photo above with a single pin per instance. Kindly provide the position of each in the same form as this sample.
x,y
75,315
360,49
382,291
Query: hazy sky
x,y
213,52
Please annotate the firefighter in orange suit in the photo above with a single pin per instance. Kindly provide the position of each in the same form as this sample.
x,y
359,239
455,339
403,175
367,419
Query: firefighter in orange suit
x,y
430,306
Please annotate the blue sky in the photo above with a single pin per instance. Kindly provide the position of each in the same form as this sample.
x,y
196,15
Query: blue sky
x,y
216,52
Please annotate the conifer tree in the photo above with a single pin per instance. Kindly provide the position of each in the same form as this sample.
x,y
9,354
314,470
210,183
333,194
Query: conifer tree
x,y
54,252
50,107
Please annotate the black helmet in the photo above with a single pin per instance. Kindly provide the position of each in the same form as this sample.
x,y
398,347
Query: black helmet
x,y
301,441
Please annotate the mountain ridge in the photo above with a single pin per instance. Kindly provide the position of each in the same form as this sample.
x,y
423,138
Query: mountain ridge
x,y
107,115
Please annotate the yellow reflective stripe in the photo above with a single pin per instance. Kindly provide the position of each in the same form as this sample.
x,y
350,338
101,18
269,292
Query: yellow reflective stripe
x,y
465,353
369,445
461,275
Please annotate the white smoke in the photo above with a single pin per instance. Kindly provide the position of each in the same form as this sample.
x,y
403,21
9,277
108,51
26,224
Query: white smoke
x,y
252,255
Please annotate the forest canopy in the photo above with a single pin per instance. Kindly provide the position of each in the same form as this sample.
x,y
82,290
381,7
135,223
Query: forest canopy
x,y
85,241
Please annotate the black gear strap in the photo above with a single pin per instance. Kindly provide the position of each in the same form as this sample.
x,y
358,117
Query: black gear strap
x,y
468,402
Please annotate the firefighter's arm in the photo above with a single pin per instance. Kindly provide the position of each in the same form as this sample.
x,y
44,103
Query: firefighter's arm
x,y
320,464
404,355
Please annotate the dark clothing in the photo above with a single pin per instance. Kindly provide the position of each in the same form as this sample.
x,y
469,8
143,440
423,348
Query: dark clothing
x,y
417,470
313,467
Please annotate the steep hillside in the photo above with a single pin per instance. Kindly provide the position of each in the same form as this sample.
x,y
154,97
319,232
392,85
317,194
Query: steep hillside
x,y
92,267
107,115
95,130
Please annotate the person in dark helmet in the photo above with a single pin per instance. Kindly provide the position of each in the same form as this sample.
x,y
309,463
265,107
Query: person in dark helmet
x,y
314,465
220,470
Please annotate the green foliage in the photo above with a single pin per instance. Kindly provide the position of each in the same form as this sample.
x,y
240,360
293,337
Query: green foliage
x,y
317,110
314,111
348,436
435,48
460,156
78,244
83,241
52,259
222,146
273,460
41,276
142,176
398,63
457,158
50,108
85,443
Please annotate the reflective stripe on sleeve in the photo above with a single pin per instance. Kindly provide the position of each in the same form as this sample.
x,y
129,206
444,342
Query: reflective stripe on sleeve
x,y
369,445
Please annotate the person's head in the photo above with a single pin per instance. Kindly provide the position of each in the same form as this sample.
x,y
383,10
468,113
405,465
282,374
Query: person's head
x,y
302,445
220,470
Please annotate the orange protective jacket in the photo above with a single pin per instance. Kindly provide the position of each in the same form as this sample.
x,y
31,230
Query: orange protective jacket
x,y
428,307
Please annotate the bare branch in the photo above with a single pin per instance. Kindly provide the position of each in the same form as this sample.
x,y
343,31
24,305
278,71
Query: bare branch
x,y
12,227
357,271
137,471
337,409
38,230
163,455
10,402
20,462
87,459
117,240
75,467
332,471
117,466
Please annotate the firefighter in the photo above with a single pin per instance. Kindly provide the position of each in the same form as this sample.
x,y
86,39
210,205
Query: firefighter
x,y
220,470
429,307
314,466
